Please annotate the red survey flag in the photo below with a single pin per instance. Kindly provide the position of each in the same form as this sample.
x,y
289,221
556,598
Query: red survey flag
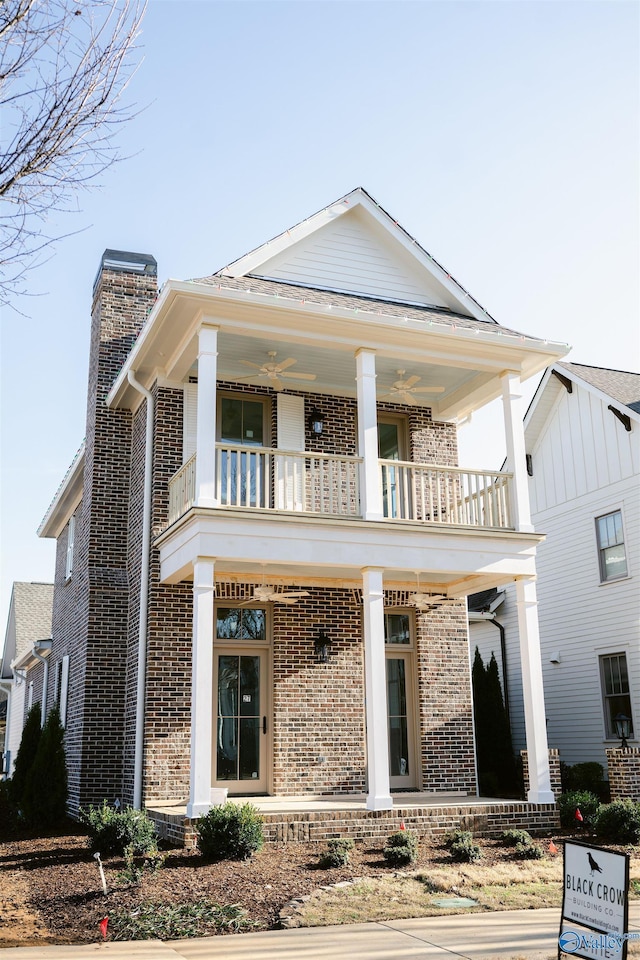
x,y
104,923
552,847
402,826
579,815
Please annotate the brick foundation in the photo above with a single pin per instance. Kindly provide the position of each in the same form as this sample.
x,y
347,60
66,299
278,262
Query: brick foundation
x,y
483,820
624,772
554,772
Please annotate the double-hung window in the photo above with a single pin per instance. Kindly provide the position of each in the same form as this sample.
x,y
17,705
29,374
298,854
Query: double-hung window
x,y
616,696
611,549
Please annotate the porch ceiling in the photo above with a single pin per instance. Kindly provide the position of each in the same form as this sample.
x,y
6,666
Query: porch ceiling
x,y
467,359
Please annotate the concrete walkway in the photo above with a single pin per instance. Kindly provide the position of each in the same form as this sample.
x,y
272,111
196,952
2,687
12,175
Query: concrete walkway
x,y
509,934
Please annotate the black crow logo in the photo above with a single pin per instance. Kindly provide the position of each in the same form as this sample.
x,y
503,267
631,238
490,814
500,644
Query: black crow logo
x,y
594,865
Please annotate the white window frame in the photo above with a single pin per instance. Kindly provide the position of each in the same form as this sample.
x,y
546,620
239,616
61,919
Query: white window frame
x,y
71,536
601,548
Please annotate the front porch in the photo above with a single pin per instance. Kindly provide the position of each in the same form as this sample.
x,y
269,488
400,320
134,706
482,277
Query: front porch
x,y
318,819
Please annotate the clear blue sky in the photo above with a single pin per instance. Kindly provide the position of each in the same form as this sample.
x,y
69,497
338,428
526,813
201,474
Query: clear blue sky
x,y
503,135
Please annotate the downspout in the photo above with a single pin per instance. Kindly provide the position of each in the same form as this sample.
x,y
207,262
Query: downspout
x,y
45,677
144,594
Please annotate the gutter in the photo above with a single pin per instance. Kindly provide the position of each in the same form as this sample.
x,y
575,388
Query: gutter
x,y
144,594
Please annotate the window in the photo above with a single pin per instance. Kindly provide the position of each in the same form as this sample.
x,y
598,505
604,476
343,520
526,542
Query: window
x,y
613,559
71,535
615,690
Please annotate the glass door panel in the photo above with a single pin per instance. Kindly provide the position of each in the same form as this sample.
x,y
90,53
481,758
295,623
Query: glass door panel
x,y
399,707
391,437
242,473
239,750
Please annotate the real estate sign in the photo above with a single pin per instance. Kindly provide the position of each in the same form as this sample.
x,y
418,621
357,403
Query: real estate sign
x,y
594,903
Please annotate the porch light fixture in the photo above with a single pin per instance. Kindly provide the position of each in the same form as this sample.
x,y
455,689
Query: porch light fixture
x,y
623,728
316,422
321,646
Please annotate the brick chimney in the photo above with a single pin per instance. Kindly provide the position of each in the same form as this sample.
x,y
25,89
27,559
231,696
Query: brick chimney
x,y
124,292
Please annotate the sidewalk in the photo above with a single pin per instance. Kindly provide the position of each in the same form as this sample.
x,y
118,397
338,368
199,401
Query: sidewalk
x,y
472,936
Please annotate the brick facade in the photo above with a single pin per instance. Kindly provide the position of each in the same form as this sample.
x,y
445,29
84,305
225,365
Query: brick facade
x,y
317,712
554,772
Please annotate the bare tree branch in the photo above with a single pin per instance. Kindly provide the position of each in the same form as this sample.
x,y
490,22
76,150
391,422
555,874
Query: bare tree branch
x,y
64,65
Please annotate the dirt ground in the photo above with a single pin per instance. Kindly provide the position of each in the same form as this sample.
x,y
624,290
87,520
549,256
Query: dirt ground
x,y
50,888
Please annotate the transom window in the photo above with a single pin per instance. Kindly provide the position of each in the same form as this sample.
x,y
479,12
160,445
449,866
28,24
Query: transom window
x,y
241,623
397,628
615,690
611,550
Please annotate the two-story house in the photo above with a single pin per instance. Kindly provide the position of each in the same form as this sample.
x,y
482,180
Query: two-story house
x,y
265,543
582,436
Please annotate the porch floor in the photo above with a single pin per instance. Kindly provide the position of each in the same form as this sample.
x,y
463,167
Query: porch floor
x,y
319,818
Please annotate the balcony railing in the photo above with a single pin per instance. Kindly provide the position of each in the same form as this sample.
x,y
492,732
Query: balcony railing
x,y
415,491
317,483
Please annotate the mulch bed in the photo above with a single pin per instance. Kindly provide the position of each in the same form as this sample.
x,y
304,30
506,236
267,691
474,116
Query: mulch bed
x,y
54,885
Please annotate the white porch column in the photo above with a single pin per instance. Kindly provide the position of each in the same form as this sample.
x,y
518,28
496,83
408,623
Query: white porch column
x,y
206,422
370,479
533,694
516,451
375,686
201,688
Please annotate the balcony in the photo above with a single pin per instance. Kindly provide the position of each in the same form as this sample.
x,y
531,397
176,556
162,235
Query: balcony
x,y
317,484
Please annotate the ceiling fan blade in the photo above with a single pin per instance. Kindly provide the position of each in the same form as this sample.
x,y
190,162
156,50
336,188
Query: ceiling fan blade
x,y
428,390
289,362
275,383
294,593
410,382
298,376
279,598
407,398
250,363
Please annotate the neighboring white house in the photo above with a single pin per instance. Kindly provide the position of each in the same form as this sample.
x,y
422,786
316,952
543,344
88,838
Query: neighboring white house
x,y
582,433
28,627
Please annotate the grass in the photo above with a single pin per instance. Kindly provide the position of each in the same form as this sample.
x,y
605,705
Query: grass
x,y
507,886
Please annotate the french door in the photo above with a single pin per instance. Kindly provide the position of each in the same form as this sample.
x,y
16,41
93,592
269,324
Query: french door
x,y
241,722
401,701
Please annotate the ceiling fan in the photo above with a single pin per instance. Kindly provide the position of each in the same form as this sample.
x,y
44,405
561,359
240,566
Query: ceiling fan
x,y
264,594
424,601
404,389
275,372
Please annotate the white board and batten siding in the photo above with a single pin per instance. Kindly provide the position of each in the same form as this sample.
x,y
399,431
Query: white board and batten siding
x,y
352,257
585,465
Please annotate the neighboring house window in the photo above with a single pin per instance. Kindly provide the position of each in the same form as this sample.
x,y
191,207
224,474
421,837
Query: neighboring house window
x,y
615,690
71,535
613,559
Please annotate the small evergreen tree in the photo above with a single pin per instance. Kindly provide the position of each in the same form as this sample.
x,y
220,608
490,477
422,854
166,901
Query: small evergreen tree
x,y
31,734
45,793
497,773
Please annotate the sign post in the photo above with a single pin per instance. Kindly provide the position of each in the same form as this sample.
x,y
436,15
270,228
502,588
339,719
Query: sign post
x,y
595,904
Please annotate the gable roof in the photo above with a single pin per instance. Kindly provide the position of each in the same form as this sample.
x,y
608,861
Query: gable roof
x,y
29,620
354,246
620,385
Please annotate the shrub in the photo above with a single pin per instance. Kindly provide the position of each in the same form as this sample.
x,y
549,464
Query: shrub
x,y
401,848
337,854
464,850
231,831
511,838
529,851
31,733
44,798
619,821
161,921
584,776
583,800
112,831
8,811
